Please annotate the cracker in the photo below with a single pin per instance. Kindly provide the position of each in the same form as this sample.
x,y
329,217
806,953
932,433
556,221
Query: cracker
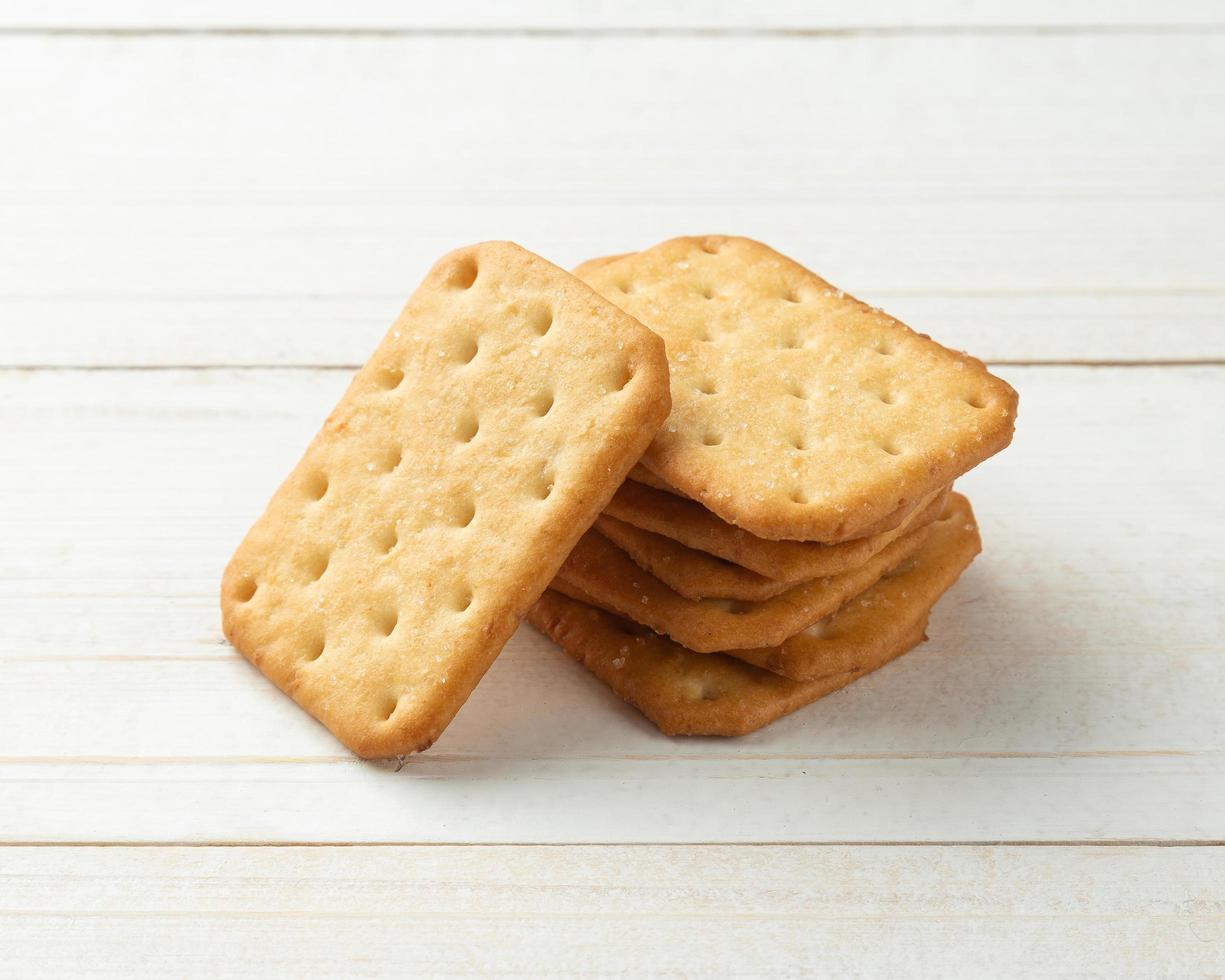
x,y
600,573
874,620
694,574
691,524
687,693
798,411
486,432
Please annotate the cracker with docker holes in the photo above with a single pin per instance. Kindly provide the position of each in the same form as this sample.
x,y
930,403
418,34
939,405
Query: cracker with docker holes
x,y
486,432
679,691
798,411
601,574
699,575
791,562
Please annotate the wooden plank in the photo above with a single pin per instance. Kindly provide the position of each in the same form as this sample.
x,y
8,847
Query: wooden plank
x,y
630,15
665,799
314,331
1056,699
954,175
716,911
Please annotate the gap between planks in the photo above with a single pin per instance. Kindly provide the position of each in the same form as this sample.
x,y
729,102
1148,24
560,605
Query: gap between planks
x,y
1144,842
621,33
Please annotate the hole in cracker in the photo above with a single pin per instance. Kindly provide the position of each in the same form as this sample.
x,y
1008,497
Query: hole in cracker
x,y
976,401
467,350
385,621
801,442
387,462
797,390
461,600
389,708
884,347
623,376
462,513
791,296
891,448
314,649
710,438
387,538
246,589
711,246
792,342
704,689
706,387
798,496
463,273
388,377
316,565
888,397
541,321
317,486
542,404
706,292
466,427
628,287
544,486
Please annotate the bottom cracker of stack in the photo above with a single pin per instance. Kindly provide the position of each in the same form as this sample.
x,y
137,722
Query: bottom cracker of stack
x,y
733,693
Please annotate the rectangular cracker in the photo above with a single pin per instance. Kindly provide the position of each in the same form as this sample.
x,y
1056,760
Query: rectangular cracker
x,y
798,411
692,525
874,619
687,693
486,432
601,574
698,575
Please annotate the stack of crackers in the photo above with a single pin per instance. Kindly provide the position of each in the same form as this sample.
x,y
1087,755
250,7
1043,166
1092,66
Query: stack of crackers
x,y
717,481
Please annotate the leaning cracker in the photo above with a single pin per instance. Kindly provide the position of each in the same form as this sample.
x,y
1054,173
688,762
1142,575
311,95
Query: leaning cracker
x,y
687,693
487,430
691,524
875,620
600,573
798,411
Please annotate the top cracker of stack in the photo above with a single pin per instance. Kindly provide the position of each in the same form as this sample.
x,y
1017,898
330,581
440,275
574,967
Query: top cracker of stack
x,y
798,412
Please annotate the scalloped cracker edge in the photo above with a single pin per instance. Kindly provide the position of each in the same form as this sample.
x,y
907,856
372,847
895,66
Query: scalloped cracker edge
x,y
601,574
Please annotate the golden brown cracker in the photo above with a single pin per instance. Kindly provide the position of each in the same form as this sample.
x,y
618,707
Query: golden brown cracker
x,y
486,432
694,574
687,693
874,621
798,411
600,573
691,524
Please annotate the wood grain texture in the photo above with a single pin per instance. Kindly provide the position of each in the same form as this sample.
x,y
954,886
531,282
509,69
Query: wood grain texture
x,y
928,174
1056,700
237,184
713,911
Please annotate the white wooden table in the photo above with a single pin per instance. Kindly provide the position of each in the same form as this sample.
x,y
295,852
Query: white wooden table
x,y
208,215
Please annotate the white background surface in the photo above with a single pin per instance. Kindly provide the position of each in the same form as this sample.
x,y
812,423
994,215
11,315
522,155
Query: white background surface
x,y
208,215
